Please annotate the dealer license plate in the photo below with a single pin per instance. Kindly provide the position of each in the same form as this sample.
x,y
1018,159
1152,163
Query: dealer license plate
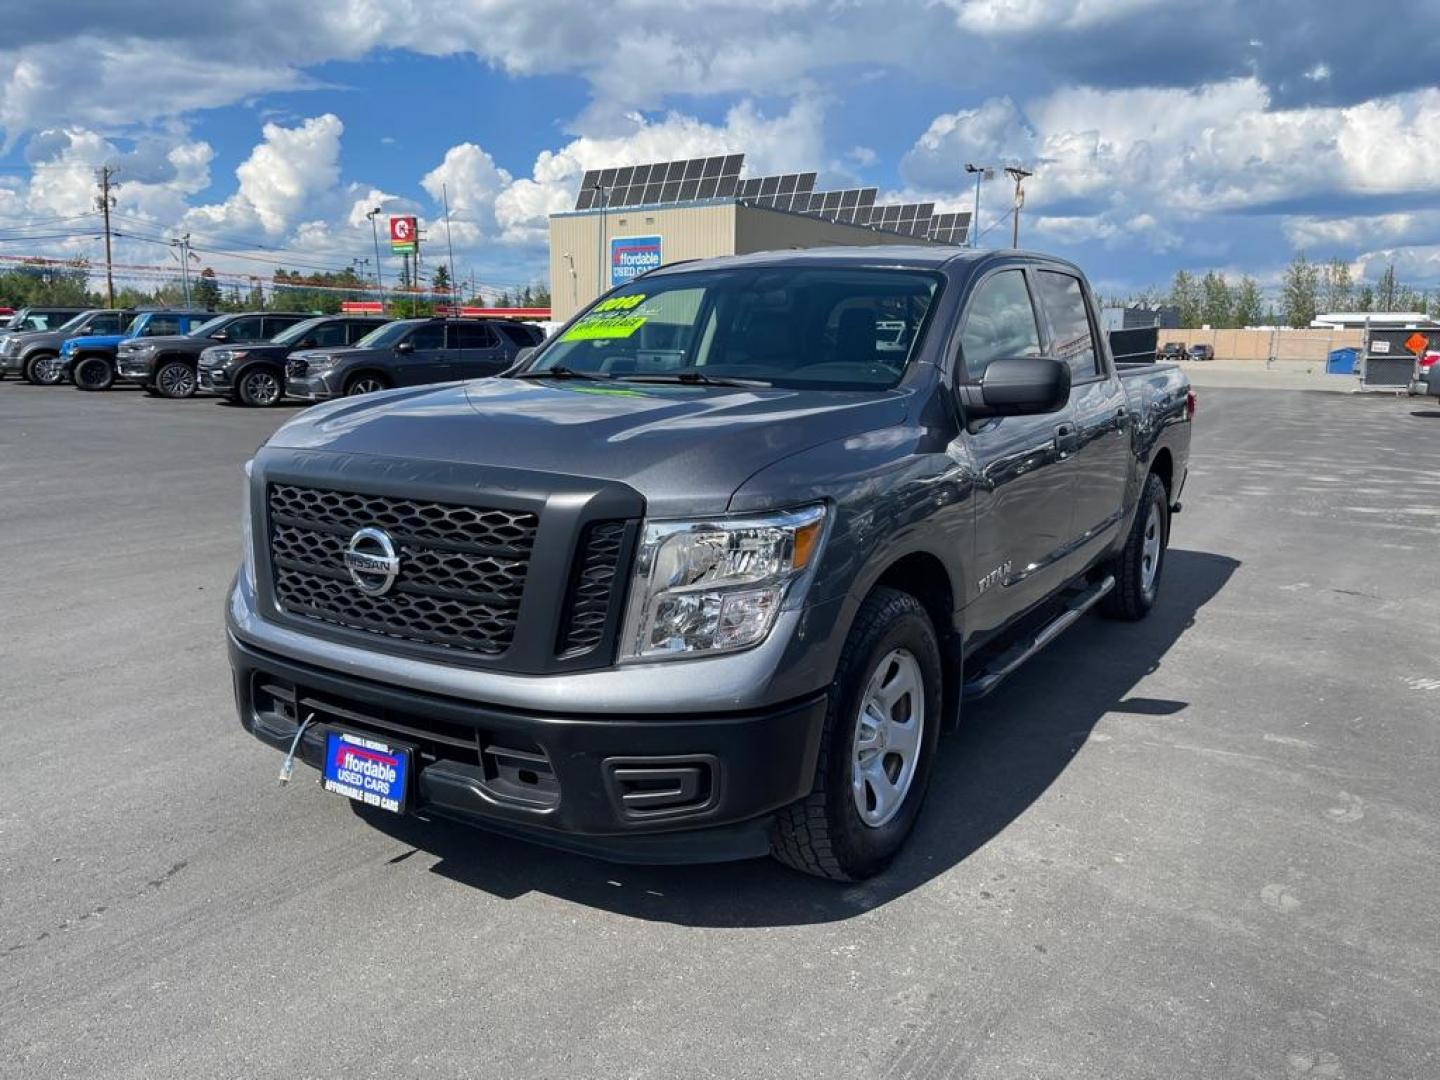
x,y
367,770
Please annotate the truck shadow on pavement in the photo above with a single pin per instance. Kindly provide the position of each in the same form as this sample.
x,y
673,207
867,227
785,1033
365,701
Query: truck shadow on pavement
x,y
1009,749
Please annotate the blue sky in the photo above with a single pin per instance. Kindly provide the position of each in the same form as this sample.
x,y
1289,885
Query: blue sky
x,y
1164,134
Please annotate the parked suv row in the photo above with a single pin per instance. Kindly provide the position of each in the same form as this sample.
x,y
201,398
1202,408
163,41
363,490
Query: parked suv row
x,y
410,352
34,354
257,358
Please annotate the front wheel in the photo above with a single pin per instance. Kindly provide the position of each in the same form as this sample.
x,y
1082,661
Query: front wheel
x,y
260,388
877,746
93,373
175,379
45,370
364,383
1138,567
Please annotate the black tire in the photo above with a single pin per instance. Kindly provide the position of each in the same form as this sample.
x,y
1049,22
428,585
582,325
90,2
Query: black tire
x,y
1139,565
824,833
365,382
175,379
42,369
93,373
260,387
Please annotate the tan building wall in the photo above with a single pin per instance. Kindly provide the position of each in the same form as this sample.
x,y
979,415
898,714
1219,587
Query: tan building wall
x,y
1261,345
578,251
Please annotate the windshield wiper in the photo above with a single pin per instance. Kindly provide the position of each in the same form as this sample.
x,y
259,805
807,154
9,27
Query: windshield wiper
x,y
694,378
559,371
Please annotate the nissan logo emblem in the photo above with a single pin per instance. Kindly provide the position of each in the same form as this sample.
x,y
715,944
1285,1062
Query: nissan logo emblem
x,y
373,563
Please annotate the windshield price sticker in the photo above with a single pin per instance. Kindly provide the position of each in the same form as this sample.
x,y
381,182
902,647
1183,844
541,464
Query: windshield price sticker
x,y
608,320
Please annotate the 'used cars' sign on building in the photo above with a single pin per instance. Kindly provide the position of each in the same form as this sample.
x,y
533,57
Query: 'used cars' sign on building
x,y
631,256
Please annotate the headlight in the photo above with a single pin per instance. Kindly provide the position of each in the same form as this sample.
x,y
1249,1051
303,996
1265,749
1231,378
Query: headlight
x,y
703,587
247,532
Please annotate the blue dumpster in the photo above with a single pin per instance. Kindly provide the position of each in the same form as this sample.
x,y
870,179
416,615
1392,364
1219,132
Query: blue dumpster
x,y
1341,361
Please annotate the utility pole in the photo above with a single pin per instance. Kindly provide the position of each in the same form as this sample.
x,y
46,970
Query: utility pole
x,y
183,243
601,196
1018,175
375,233
105,202
982,172
454,285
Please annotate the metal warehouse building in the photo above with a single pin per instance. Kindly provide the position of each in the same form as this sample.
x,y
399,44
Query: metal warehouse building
x,y
631,219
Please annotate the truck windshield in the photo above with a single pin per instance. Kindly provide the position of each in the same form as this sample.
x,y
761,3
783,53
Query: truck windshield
x,y
804,328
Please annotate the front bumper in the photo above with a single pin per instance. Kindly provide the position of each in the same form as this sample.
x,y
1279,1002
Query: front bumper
x,y
12,365
676,787
313,387
1425,386
133,370
218,380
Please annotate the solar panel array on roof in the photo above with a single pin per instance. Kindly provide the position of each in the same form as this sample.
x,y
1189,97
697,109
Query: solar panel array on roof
x,y
790,191
661,182
698,179
950,228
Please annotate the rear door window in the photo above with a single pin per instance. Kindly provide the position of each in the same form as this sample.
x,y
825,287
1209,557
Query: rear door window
x,y
275,323
1073,340
329,335
472,336
1000,324
109,323
354,331
161,325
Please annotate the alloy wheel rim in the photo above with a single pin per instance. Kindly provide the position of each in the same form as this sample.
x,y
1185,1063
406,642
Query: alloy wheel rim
x,y
262,387
175,380
888,734
1150,550
47,371
365,386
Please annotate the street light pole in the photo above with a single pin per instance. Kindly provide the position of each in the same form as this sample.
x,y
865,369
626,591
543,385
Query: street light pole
x,y
1018,175
982,172
375,234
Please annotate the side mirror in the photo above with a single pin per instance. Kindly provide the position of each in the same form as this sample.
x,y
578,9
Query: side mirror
x,y
308,343
1030,386
221,335
405,347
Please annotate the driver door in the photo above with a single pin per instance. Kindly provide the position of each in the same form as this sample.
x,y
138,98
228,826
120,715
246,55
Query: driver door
x,y
1023,495
427,360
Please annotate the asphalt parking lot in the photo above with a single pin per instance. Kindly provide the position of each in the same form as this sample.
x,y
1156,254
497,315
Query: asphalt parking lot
x,y
1206,845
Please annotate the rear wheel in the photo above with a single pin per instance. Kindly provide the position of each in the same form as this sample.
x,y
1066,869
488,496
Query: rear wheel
x,y
175,379
364,383
877,747
1138,567
260,388
93,373
44,370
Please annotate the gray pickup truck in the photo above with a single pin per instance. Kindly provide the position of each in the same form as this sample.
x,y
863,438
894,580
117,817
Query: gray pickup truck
x,y
707,574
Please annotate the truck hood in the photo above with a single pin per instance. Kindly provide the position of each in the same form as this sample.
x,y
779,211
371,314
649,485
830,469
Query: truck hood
x,y
686,449
95,341
181,341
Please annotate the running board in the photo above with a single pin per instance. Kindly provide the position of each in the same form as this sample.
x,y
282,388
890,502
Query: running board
x,y
1017,654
